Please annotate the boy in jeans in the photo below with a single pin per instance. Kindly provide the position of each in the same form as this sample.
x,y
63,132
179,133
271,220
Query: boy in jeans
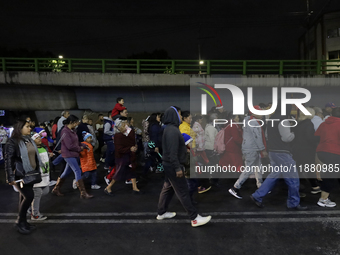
x,y
87,161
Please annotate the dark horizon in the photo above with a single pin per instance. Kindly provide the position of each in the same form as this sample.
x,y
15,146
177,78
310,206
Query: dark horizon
x,y
224,30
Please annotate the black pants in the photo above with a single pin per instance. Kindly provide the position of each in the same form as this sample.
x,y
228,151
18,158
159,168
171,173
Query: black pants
x,y
173,184
329,183
26,196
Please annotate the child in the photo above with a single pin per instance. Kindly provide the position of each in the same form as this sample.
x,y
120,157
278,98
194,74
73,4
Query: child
x,y
44,138
87,161
118,107
42,188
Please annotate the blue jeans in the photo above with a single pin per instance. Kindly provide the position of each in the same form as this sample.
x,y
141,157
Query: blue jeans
x,y
92,175
72,166
291,178
58,160
110,154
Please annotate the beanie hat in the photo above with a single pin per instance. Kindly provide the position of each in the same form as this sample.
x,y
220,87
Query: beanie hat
x,y
256,107
38,130
331,105
187,138
86,135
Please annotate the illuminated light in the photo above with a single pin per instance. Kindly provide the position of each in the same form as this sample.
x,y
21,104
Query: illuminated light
x,y
60,56
201,62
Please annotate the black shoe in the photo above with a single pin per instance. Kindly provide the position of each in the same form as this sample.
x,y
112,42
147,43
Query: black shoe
x,y
298,208
31,227
235,192
23,228
108,193
259,204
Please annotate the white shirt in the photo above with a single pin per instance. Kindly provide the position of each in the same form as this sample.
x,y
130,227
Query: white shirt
x,y
316,122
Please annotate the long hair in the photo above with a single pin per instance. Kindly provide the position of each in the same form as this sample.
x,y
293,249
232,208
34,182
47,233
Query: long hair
x,y
17,129
153,120
56,120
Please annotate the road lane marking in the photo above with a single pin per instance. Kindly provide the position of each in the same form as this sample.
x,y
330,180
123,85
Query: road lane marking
x,y
179,221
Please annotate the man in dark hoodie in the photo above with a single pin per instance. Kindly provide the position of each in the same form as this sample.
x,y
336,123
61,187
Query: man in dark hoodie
x,y
280,155
174,156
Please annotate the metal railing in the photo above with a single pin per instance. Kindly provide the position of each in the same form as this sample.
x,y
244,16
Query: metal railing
x,y
170,66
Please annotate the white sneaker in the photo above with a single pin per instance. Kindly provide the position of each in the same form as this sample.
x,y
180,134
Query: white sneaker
x,y
326,203
167,215
15,188
96,186
106,180
52,183
129,182
74,184
199,221
102,160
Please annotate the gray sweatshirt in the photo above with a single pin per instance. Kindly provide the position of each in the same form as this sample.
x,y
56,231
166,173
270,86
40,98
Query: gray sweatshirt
x,y
252,136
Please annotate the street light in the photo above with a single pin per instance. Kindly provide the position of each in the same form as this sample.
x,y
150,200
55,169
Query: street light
x,y
60,56
201,62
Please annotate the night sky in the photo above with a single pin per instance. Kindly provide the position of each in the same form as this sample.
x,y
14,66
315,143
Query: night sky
x,y
225,29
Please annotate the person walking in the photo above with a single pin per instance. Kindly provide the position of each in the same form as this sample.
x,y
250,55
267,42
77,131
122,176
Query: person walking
x,y
328,152
22,153
174,156
70,150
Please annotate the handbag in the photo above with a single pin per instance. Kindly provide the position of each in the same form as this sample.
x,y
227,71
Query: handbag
x,y
31,177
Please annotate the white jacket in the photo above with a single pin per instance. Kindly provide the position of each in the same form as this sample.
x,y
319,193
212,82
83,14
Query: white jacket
x,y
210,134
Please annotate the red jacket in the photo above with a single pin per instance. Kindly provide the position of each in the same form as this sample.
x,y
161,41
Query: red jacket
x,y
329,132
233,139
118,108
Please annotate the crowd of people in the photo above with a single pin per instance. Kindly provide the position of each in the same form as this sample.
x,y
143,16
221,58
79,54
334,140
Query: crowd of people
x,y
170,143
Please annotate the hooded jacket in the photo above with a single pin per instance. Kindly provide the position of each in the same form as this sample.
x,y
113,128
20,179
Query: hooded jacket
x,y
329,132
174,149
252,136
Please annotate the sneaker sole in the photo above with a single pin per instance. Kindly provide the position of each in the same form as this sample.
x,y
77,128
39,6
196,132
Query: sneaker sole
x,y
232,193
165,217
207,189
38,219
315,192
324,205
201,224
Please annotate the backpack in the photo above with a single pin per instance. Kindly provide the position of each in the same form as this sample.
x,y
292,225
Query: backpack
x,y
219,144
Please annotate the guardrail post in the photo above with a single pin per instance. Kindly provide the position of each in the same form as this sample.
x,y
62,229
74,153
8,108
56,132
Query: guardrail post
x,y
4,65
208,67
103,66
138,66
318,67
244,67
36,65
69,62
281,68
173,66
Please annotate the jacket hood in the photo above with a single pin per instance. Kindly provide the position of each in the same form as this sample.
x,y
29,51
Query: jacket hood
x,y
171,117
332,120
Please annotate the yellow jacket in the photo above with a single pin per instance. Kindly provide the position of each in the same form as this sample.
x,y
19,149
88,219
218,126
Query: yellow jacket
x,y
185,128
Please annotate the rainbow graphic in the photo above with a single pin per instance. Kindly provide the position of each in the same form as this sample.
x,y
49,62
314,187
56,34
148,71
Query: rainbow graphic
x,y
209,93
